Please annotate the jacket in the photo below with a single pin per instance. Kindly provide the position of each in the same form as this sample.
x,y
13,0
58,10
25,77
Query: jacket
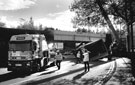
x,y
86,56
58,56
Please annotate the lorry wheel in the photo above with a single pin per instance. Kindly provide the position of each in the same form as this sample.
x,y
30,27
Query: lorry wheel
x,y
33,70
52,64
38,68
45,64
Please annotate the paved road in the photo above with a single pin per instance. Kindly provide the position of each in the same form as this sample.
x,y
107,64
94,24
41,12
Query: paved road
x,y
69,71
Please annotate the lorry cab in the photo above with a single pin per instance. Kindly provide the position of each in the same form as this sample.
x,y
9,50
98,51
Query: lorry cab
x,y
27,51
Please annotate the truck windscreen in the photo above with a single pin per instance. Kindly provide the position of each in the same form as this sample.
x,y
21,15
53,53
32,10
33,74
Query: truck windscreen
x,y
20,46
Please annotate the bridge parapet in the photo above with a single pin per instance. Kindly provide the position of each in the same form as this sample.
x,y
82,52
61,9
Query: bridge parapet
x,y
76,36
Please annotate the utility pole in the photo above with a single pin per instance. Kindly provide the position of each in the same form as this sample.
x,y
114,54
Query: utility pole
x,y
128,32
131,38
131,27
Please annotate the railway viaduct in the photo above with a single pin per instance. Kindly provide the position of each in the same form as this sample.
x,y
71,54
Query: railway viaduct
x,y
68,39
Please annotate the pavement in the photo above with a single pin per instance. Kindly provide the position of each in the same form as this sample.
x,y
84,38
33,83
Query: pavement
x,y
122,73
118,74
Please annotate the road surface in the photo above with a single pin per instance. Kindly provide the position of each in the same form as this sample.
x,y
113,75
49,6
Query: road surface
x,y
70,71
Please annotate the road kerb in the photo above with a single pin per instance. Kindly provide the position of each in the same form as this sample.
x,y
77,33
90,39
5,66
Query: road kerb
x,y
108,75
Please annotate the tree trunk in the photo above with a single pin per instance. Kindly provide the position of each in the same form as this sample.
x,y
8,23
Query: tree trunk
x,y
105,15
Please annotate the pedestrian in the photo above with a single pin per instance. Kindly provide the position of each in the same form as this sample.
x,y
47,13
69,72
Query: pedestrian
x,y
113,48
86,59
58,59
78,57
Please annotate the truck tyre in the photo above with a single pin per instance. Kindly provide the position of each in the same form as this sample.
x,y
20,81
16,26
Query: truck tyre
x,y
38,68
109,57
45,63
52,64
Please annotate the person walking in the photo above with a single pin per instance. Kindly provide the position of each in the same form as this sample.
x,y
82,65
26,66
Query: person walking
x,y
58,59
86,59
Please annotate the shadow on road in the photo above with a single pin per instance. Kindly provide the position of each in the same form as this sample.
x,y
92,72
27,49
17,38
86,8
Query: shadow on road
x,y
48,72
13,75
94,64
18,74
79,75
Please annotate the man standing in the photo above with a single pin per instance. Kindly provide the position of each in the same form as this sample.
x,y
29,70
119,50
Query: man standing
x,y
86,59
58,59
78,57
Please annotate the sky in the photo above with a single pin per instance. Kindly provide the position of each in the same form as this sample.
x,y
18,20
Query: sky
x,y
50,13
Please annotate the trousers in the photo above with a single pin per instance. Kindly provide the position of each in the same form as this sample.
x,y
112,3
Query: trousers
x,y
86,66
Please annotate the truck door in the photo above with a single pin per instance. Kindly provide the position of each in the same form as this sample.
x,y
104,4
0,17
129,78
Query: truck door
x,y
35,50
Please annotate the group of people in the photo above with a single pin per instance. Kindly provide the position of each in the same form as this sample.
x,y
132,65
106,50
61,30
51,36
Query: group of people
x,y
83,52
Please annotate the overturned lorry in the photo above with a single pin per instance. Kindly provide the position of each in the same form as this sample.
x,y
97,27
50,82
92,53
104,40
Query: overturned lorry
x,y
97,48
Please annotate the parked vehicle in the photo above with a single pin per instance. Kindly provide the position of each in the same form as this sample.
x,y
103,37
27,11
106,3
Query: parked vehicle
x,y
28,52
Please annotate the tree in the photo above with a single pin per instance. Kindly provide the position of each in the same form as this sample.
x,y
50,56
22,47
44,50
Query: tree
x,y
49,33
79,30
27,24
97,12
40,27
2,24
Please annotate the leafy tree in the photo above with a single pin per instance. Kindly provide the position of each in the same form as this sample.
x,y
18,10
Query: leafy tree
x,y
79,30
98,12
123,9
49,33
40,27
84,30
2,24
27,24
